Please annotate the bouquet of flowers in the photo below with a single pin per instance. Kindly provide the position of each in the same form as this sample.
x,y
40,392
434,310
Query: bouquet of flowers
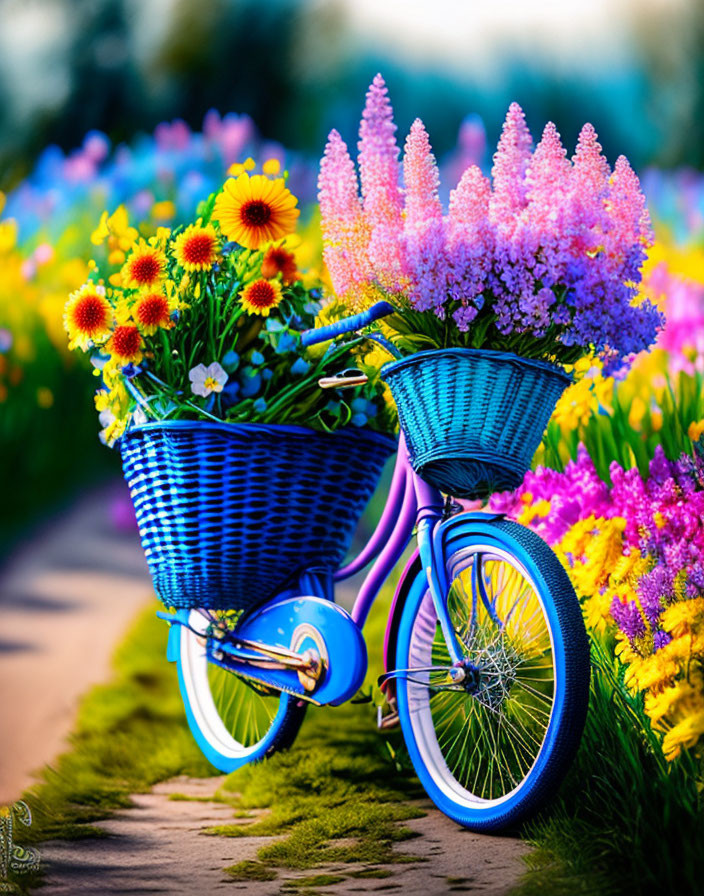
x,y
543,260
203,322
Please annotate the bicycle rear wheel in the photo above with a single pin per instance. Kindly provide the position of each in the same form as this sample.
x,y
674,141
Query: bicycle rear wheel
x,y
233,721
491,741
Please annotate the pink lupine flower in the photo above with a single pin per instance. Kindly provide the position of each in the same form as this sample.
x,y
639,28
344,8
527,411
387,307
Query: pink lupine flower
x,y
469,244
628,214
589,184
380,174
421,178
547,178
508,173
342,223
424,231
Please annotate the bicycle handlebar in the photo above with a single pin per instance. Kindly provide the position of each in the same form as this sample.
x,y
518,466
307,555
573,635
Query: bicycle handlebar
x,y
347,324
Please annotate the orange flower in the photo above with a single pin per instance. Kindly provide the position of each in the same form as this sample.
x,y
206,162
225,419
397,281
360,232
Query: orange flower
x,y
145,267
260,296
151,312
88,316
196,249
278,260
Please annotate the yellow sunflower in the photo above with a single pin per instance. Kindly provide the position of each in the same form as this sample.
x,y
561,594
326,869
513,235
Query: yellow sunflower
x,y
260,296
145,267
255,210
196,249
88,316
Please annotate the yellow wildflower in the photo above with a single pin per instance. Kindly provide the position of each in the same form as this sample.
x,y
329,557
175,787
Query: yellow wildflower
x,y
696,430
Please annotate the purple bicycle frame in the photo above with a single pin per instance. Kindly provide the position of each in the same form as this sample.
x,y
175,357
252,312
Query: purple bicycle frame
x,y
411,502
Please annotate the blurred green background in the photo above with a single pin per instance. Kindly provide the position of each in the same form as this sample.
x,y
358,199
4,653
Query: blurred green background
x,y
299,67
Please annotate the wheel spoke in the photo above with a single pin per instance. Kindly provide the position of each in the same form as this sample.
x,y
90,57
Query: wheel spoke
x,y
490,731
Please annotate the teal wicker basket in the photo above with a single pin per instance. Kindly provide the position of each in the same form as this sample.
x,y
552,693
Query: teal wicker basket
x,y
473,418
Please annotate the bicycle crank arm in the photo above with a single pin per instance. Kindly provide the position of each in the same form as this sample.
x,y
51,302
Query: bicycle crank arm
x,y
305,646
309,666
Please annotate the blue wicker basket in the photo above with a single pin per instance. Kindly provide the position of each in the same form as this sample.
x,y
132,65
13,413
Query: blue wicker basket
x,y
230,513
473,418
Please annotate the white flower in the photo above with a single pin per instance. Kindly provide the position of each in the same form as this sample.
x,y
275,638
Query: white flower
x,y
205,380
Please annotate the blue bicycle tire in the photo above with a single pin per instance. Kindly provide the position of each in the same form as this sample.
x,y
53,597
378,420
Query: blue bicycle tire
x,y
488,809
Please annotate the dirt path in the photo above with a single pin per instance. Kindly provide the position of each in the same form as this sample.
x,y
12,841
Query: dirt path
x,y
159,847
66,599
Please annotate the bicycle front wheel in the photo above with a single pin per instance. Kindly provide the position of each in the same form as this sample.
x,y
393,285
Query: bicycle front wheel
x,y
233,721
492,739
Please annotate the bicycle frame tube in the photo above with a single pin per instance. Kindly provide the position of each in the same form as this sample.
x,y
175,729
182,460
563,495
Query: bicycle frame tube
x,y
389,540
411,502
387,523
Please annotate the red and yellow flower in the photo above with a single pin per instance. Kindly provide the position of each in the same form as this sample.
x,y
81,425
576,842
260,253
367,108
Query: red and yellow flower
x,y
196,249
88,316
260,296
152,311
278,260
125,345
145,267
255,210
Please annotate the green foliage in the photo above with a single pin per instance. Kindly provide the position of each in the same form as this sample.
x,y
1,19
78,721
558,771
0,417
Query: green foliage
x,y
412,331
610,437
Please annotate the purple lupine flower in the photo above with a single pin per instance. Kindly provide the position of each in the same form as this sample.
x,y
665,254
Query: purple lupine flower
x,y
655,590
628,618
661,639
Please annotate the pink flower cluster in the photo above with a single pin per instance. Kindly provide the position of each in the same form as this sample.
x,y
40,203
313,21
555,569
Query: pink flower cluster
x,y
663,515
547,247
683,336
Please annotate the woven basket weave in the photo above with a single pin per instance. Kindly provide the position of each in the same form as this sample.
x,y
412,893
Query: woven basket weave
x,y
473,418
228,514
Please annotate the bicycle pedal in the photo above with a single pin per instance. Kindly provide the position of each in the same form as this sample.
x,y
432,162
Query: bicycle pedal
x,y
388,721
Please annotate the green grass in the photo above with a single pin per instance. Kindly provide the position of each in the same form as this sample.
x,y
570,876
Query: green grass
x,y
129,734
338,796
625,821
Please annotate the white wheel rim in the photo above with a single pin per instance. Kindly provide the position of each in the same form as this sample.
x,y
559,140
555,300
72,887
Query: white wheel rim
x,y
419,698
194,670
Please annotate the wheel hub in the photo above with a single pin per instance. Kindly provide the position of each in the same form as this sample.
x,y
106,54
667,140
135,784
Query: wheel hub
x,y
490,674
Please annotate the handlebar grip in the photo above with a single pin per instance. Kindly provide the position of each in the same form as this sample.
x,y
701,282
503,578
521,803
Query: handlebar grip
x,y
347,324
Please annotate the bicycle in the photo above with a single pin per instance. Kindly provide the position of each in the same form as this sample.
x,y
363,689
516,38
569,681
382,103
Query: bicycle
x,y
486,655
